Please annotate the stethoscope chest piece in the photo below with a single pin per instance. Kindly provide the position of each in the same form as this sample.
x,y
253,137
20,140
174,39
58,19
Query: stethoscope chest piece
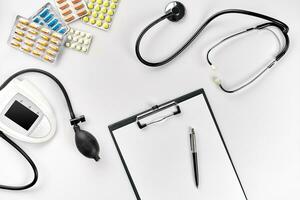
x,y
177,9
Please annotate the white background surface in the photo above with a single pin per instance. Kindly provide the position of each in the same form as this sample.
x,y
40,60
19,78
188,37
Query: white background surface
x,y
260,124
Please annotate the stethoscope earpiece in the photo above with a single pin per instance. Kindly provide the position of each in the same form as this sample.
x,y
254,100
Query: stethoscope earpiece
x,y
216,80
177,9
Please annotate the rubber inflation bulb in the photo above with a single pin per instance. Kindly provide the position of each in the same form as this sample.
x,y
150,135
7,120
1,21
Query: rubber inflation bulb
x,y
86,143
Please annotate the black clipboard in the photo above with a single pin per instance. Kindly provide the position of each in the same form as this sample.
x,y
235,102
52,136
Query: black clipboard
x,y
134,119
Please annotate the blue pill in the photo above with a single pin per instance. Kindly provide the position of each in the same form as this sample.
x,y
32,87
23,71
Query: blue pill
x,y
62,31
56,27
48,18
36,20
44,13
42,23
53,22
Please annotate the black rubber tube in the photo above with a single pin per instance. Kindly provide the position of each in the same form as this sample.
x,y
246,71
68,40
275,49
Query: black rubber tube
x,y
50,76
35,171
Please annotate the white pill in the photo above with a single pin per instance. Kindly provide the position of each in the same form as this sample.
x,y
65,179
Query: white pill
x,y
80,41
70,37
73,46
87,42
84,49
78,47
68,44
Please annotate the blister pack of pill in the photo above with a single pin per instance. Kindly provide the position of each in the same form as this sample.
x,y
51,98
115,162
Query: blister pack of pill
x,y
101,13
71,10
36,40
47,16
78,40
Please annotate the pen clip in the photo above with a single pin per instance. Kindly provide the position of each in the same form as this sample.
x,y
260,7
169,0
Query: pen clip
x,y
157,109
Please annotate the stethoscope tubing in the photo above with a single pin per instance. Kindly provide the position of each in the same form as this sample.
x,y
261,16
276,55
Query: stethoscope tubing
x,y
282,26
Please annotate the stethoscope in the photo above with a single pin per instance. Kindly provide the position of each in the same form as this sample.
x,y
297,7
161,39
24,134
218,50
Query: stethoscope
x,y
175,11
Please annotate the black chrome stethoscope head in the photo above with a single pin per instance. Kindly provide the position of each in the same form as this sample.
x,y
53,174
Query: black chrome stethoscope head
x,y
177,9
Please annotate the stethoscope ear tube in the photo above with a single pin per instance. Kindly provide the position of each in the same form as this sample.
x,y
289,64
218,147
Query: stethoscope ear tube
x,y
279,55
284,30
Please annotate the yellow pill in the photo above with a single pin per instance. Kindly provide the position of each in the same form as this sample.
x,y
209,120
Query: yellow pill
x,y
32,31
108,19
113,6
93,1
28,43
34,25
26,48
106,3
95,14
99,23
115,1
19,39
110,12
54,47
15,43
101,16
99,2
97,8
50,52
42,42
36,53
48,58
24,21
92,21
105,25
90,5
46,30
41,48
45,37
20,33
103,10
86,19
21,26
55,41
31,37
57,35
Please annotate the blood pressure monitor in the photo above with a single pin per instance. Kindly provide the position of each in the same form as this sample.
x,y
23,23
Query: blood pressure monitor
x,y
25,113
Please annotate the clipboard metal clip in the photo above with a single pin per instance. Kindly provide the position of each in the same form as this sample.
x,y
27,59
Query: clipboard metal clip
x,y
157,109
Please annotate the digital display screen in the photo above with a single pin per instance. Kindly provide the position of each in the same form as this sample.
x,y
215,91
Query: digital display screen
x,y
21,115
